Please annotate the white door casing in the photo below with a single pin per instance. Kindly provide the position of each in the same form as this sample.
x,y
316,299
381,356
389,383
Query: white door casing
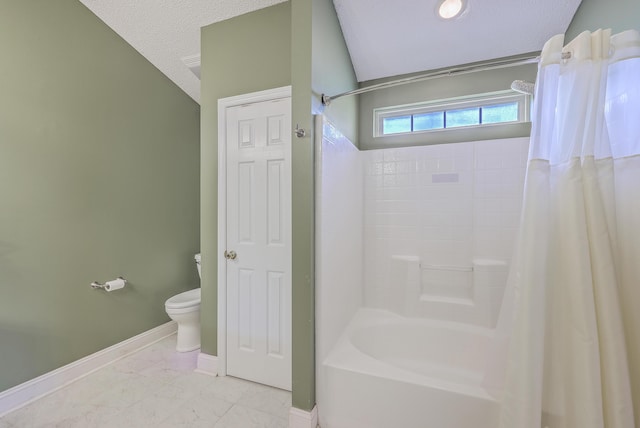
x,y
258,230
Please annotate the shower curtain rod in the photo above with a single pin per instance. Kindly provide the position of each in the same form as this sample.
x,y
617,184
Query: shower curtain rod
x,y
493,65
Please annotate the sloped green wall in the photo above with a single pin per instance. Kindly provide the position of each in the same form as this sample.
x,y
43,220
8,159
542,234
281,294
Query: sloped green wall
x,y
99,177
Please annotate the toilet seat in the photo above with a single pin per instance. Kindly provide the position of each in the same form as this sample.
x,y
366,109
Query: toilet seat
x,y
184,300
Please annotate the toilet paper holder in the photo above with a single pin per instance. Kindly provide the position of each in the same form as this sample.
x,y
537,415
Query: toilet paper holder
x,y
96,285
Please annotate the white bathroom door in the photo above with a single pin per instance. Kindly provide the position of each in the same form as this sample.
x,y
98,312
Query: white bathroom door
x,y
258,256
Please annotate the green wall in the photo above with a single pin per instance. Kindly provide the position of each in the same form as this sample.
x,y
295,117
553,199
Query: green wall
x,y
619,15
248,53
303,219
99,177
332,71
438,89
277,46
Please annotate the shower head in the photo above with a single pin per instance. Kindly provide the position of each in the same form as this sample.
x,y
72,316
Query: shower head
x,y
523,87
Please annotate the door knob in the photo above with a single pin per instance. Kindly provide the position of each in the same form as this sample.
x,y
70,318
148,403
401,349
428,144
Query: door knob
x,y
230,255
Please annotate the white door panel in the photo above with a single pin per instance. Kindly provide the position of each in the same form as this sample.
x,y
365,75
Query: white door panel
x,y
259,232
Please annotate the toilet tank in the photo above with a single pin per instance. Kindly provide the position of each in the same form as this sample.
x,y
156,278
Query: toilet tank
x,y
197,258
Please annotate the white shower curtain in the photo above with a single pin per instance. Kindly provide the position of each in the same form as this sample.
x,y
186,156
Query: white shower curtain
x,y
569,327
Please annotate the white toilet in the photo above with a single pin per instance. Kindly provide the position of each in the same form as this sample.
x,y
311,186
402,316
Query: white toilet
x,y
184,309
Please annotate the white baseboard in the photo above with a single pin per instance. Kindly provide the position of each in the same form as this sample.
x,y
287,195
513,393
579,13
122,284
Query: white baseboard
x,y
303,419
207,364
26,392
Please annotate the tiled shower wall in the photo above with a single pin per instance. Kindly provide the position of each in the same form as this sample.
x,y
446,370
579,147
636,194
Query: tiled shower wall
x,y
447,204
339,230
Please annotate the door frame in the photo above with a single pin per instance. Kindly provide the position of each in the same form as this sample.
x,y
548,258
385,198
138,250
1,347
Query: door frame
x,y
223,104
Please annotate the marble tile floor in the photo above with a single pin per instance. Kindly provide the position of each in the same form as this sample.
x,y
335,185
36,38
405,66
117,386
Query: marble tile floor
x,y
156,387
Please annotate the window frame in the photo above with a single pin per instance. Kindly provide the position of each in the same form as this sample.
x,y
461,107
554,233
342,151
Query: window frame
x,y
474,101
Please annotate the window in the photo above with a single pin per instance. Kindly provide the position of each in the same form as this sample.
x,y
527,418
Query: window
x,y
480,110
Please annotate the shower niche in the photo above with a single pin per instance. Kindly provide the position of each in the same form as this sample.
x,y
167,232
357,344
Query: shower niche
x,y
470,294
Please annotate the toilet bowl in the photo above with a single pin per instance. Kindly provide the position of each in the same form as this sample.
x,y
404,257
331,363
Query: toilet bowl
x,y
184,309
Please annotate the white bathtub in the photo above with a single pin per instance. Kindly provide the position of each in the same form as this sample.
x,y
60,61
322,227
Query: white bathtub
x,y
387,371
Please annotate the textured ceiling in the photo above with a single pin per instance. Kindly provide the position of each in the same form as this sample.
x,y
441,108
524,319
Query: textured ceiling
x,y
388,38
165,31
384,37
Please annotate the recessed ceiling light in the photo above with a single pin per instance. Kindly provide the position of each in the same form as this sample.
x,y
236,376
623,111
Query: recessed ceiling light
x,y
449,9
